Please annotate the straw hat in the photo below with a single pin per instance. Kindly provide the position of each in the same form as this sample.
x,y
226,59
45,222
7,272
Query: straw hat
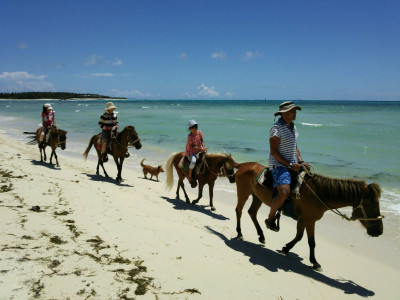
x,y
192,123
110,105
286,106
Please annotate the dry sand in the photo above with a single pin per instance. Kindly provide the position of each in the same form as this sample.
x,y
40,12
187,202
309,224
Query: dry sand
x,y
95,239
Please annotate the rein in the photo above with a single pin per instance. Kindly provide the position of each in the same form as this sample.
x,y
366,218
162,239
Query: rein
x,y
222,169
130,143
337,212
58,143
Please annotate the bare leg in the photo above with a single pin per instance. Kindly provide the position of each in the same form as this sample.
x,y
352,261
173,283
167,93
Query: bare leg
x,y
277,201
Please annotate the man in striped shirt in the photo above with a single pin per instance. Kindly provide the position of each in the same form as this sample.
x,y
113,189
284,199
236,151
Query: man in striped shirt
x,y
284,156
108,123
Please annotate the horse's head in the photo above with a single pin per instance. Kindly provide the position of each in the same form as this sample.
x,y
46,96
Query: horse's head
x,y
368,212
133,137
62,139
228,168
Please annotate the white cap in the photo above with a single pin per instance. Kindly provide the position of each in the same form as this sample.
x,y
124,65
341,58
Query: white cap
x,y
191,123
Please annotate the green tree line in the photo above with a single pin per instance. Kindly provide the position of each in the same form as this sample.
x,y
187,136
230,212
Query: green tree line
x,y
51,95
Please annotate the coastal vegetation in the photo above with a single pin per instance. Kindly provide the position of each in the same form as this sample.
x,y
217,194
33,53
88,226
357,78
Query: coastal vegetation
x,y
54,95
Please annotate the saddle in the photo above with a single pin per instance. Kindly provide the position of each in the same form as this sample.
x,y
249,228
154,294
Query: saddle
x,y
265,179
48,134
184,164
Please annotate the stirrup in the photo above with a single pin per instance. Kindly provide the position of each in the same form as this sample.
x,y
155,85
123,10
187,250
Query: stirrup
x,y
105,157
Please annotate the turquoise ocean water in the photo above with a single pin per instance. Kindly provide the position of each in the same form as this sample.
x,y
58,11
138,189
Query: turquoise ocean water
x,y
357,139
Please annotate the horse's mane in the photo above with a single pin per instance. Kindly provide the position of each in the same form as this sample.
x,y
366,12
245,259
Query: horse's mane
x,y
213,155
337,188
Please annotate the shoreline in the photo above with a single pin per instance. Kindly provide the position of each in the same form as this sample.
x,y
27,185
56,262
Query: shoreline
x,y
95,238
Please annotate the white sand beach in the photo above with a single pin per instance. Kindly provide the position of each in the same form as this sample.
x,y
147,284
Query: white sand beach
x,y
95,239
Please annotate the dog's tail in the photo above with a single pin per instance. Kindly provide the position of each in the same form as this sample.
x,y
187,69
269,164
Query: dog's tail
x,y
141,163
169,170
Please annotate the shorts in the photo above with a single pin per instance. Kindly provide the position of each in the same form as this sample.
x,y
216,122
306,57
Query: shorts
x,y
281,176
105,134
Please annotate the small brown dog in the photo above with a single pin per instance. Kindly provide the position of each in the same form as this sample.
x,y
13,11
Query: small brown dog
x,y
154,171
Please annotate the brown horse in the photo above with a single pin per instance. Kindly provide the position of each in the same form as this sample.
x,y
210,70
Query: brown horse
x,y
317,195
119,146
215,165
57,138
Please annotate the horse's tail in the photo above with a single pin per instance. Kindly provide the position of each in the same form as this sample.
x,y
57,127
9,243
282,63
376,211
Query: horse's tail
x,y
85,154
169,170
141,163
32,142
32,136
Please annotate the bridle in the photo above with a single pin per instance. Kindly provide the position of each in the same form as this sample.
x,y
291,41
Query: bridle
x,y
337,212
222,172
58,143
131,142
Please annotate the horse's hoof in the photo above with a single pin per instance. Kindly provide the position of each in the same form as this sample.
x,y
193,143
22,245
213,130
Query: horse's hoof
x,y
317,268
239,237
285,251
187,201
261,240
195,201
213,208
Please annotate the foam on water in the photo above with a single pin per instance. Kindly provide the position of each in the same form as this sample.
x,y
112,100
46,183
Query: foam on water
x,y
341,139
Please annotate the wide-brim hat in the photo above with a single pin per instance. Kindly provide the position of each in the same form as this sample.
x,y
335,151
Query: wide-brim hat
x,y
110,105
192,123
286,106
48,106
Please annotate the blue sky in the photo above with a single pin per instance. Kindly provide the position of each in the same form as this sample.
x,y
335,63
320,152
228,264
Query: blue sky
x,y
170,49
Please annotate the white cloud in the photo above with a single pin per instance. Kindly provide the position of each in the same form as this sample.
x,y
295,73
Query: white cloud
x,y
202,91
219,55
230,94
117,62
23,81
130,93
250,55
94,75
101,75
183,55
206,91
96,59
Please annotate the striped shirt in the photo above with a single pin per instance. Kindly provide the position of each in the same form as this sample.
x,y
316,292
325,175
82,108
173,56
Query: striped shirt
x,y
107,121
194,141
287,143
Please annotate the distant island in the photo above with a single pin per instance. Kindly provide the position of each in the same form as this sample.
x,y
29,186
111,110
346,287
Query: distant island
x,y
54,95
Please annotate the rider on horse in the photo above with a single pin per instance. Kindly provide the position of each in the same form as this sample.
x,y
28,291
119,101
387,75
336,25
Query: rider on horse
x,y
48,120
109,124
284,157
194,146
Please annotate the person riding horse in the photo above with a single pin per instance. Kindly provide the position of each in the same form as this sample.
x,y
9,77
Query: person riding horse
x,y
284,157
48,120
109,124
194,146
